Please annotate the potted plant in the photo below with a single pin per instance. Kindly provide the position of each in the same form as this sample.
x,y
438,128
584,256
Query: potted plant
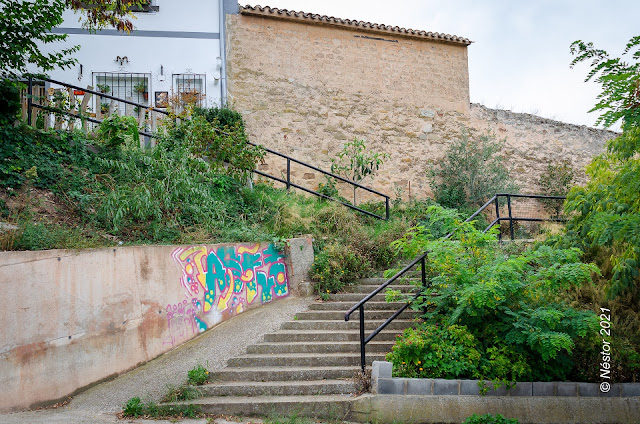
x,y
104,88
104,108
141,87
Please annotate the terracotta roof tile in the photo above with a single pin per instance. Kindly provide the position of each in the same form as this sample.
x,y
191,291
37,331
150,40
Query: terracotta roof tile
x,y
348,23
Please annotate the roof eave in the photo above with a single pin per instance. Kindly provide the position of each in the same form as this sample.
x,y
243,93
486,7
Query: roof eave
x,y
312,18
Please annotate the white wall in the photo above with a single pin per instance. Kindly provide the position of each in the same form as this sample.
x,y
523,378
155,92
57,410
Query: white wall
x,y
182,37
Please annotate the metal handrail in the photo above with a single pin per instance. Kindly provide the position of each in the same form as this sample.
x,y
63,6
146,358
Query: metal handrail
x,y
422,259
360,305
289,159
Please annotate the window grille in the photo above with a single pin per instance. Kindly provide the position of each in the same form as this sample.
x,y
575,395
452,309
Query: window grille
x,y
190,88
128,86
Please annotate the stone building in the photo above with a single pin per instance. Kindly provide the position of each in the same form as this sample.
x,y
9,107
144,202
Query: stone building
x,y
307,83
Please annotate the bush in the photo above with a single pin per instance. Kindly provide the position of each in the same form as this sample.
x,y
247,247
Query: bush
x,y
471,172
336,266
509,301
435,351
9,101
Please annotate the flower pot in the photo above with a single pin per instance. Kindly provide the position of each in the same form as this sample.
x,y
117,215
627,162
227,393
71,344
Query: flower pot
x,y
146,95
78,93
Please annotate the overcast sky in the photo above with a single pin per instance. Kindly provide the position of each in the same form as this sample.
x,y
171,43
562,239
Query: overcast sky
x,y
520,56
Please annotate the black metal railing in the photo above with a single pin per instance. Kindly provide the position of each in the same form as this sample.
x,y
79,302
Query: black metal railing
x,y
287,181
422,260
543,202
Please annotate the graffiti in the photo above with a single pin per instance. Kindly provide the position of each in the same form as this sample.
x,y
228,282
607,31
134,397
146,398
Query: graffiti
x,y
182,322
222,282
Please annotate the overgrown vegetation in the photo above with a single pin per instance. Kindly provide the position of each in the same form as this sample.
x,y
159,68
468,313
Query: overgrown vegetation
x,y
496,311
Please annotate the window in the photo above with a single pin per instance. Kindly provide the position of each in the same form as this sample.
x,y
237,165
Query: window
x,y
128,86
146,6
190,88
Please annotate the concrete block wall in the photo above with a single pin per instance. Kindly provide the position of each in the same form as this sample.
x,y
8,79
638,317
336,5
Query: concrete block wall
x,y
73,318
413,400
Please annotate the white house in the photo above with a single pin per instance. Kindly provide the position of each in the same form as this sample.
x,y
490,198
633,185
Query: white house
x,y
176,47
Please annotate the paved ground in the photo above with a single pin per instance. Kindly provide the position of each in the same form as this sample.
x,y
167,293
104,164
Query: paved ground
x,y
151,381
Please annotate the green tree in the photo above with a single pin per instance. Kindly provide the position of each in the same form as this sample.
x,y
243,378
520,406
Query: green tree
x,y
607,208
471,172
356,162
25,26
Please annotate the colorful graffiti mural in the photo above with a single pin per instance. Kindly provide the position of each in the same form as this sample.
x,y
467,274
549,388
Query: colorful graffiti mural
x,y
222,282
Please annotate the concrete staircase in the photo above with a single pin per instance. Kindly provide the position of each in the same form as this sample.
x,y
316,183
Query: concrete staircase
x,y
307,367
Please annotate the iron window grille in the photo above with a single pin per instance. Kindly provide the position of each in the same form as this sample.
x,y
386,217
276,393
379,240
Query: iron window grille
x,y
190,88
134,87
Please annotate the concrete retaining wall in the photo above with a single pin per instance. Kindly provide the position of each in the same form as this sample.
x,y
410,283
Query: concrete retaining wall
x,y
73,318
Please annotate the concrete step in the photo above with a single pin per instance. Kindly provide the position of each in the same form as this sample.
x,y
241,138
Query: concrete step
x,y
355,297
318,347
368,288
339,315
345,306
409,278
282,373
278,388
353,324
333,407
306,359
321,335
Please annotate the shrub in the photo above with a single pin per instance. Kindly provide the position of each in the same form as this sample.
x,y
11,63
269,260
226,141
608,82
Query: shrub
x,y
336,266
435,351
508,302
471,172
9,101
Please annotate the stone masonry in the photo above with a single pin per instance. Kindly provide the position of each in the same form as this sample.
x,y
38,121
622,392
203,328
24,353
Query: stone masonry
x,y
306,84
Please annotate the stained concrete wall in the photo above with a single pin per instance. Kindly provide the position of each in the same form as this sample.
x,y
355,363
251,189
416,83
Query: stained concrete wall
x,y
305,88
73,318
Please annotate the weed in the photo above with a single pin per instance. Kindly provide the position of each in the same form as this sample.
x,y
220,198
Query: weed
x,y
198,375
136,408
362,381
183,392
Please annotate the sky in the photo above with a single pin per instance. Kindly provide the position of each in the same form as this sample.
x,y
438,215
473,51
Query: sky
x,y
521,52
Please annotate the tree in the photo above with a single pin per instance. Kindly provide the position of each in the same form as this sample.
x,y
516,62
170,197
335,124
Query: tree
x,y
356,163
471,172
608,207
26,25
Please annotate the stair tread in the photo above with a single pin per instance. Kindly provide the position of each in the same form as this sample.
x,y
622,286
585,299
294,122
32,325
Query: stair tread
x,y
307,355
284,368
352,342
277,383
269,399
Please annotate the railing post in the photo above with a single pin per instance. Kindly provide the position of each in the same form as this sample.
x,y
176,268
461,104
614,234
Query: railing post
x,y
29,99
386,201
423,265
288,174
362,345
498,218
510,217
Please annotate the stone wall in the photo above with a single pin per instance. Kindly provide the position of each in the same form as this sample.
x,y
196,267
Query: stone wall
x,y
305,88
73,318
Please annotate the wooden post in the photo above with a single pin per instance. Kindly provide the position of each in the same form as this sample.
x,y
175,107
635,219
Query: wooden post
x,y
72,104
84,106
